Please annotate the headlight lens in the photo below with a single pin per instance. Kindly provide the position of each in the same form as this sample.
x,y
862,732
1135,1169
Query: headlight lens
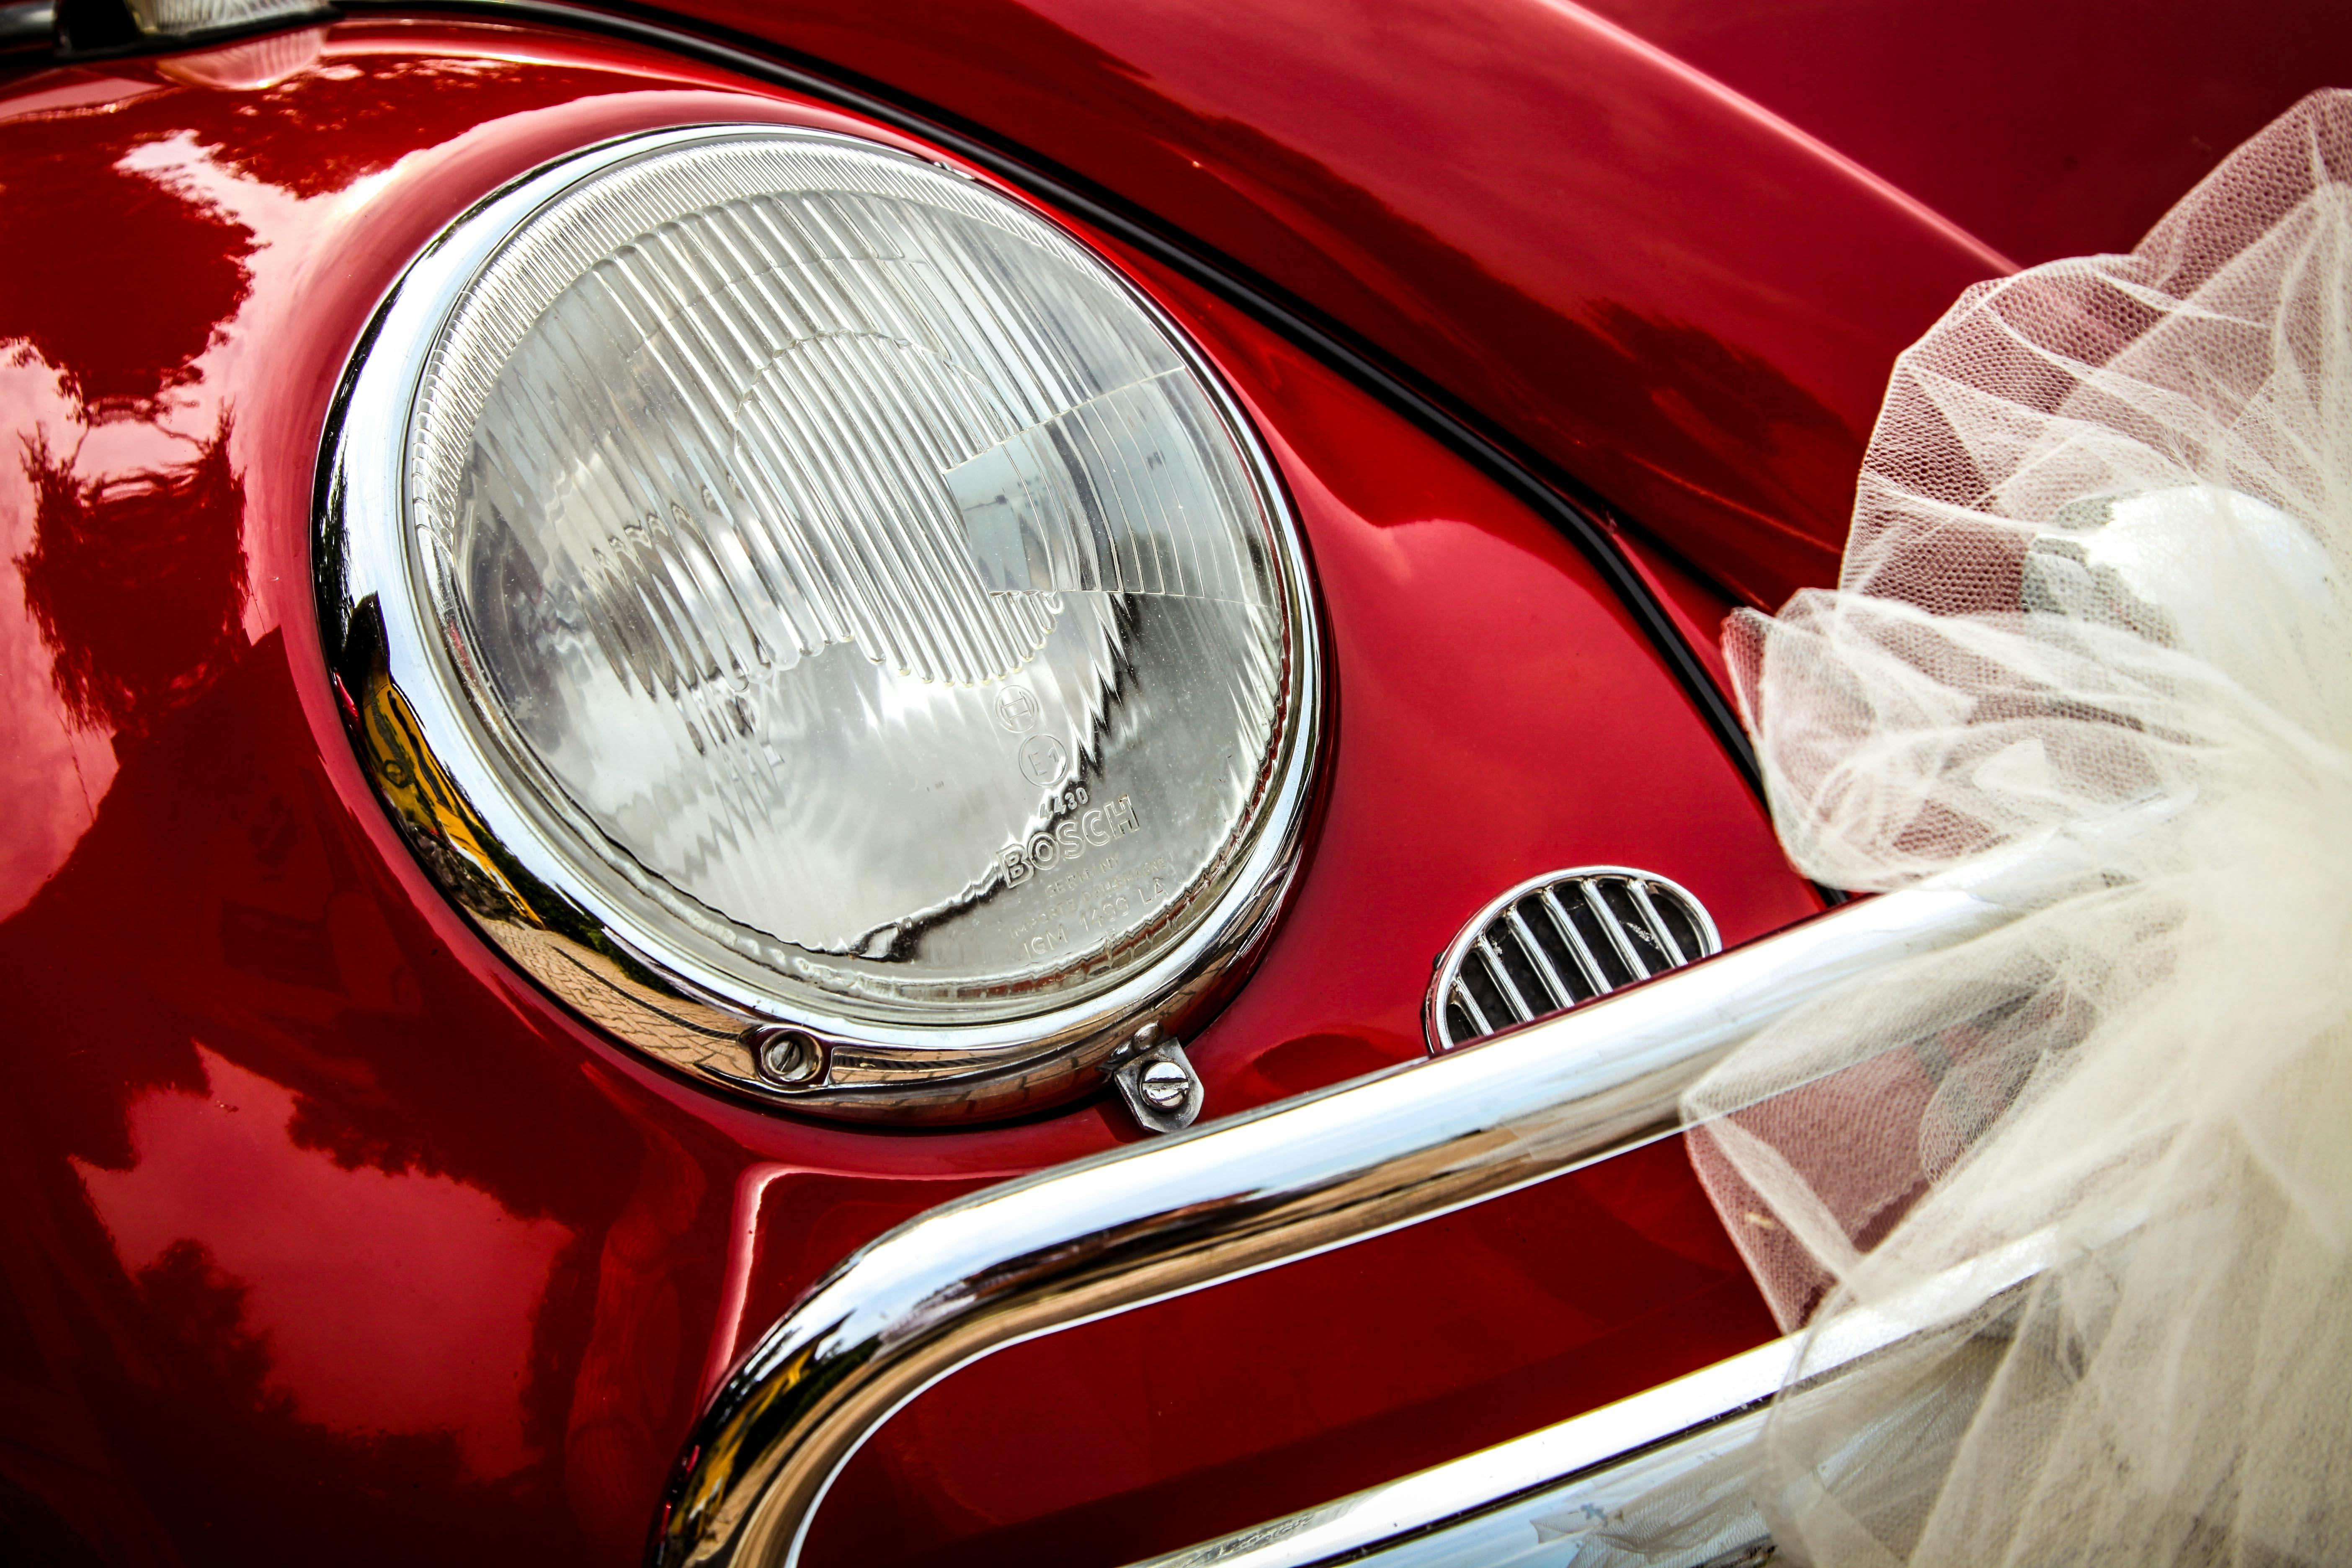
x,y
857,600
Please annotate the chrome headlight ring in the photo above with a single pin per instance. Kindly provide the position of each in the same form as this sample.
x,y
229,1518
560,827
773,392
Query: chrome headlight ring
x,y
569,900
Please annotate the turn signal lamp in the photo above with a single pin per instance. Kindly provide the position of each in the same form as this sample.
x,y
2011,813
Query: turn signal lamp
x,y
821,620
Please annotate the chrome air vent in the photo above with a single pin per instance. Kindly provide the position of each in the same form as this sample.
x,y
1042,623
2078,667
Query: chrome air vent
x,y
1557,940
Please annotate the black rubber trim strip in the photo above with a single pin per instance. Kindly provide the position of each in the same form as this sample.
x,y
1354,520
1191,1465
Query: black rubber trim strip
x,y
1570,506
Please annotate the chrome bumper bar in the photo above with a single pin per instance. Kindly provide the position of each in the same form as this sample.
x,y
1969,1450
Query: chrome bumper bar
x,y
1661,1479
1544,1499
1142,1223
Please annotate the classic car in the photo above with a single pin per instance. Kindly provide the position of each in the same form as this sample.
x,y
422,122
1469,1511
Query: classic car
x,y
761,759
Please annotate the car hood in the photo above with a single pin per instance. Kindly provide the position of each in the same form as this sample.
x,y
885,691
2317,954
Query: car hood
x,y
1670,249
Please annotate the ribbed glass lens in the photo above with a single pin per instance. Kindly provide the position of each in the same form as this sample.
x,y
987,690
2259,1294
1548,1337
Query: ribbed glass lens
x,y
856,575
185,18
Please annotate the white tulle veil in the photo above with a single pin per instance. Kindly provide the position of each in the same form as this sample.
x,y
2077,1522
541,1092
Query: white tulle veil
x,y
2095,592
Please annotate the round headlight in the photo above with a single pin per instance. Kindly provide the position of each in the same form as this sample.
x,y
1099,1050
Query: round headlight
x,y
789,590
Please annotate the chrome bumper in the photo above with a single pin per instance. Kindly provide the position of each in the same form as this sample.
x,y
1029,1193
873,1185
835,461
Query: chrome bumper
x,y
1661,1478
1226,1199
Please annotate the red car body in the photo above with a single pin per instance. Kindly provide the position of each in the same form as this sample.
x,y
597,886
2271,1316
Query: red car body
x,y
328,1236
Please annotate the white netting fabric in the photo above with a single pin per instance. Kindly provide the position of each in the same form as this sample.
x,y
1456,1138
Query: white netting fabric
x,y
2094,594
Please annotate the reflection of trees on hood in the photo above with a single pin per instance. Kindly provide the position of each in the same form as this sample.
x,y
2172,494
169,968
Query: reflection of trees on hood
x,y
231,903
247,915
136,581
117,350
121,349
318,131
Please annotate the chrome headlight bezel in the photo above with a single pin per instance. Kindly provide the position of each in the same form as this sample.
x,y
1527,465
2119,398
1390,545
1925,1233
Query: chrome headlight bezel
x,y
425,735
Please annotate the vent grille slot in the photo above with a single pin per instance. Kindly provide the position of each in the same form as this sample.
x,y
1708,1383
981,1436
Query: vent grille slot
x,y
1558,941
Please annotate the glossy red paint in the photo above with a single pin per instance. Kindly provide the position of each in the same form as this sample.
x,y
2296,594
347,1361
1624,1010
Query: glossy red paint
x,y
2048,130
1673,245
1695,605
1682,299
327,1236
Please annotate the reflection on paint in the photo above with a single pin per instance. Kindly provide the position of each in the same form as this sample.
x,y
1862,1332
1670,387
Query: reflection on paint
x,y
387,1303
115,449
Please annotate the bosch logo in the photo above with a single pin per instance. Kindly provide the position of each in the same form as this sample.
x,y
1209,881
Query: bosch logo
x,y
1091,829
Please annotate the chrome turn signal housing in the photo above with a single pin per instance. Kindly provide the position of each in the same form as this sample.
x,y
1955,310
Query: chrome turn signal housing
x,y
821,620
